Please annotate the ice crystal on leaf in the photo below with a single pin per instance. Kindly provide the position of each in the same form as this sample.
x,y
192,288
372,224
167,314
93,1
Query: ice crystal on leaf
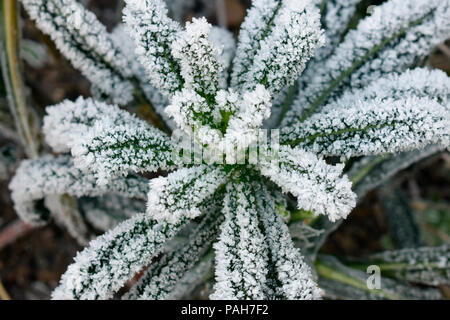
x,y
357,97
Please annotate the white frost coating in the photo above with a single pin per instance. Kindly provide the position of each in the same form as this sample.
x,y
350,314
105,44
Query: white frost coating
x,y
244,125
162,276
395,36
318,187
419,82
372,127
198,118
127,249
415,46
110,150
86,43
253,110
192,113
283,54
293,275
180,194
154,32
335,19
128,46
69,121
253,30
106,140
225,42
35,179
241,252
192,279
199,58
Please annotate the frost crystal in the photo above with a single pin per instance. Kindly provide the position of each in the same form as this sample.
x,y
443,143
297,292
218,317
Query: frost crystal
x,y
105,140
336,15
223,40
161,277
292,276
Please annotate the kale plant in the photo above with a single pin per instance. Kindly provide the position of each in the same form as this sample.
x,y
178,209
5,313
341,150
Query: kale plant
x,y
346,109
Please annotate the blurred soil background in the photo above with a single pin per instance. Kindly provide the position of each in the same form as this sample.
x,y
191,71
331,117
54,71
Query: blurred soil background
x,y
31,265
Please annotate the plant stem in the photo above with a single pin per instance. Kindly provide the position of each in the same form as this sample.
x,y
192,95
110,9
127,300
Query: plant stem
x,y
13,231
3,293
10,62
389,267
148,112
287,103
357,178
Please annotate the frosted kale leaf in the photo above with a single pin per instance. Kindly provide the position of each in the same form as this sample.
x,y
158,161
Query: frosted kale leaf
x,y
86,43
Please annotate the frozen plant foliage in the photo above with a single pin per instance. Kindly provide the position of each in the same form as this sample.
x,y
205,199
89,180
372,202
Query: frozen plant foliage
x,y
110,150
199,59
336,15
106,140
292,277
179,195
193,278
426,265
223,40
106,212
161,277
371,171
390,288
418,82
127,248
154,32
65,211
356,98
253,29
194,115
244,124
85,42
241,252
394,37
124,41
36,179
318,187
69,121
283,48
373,127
